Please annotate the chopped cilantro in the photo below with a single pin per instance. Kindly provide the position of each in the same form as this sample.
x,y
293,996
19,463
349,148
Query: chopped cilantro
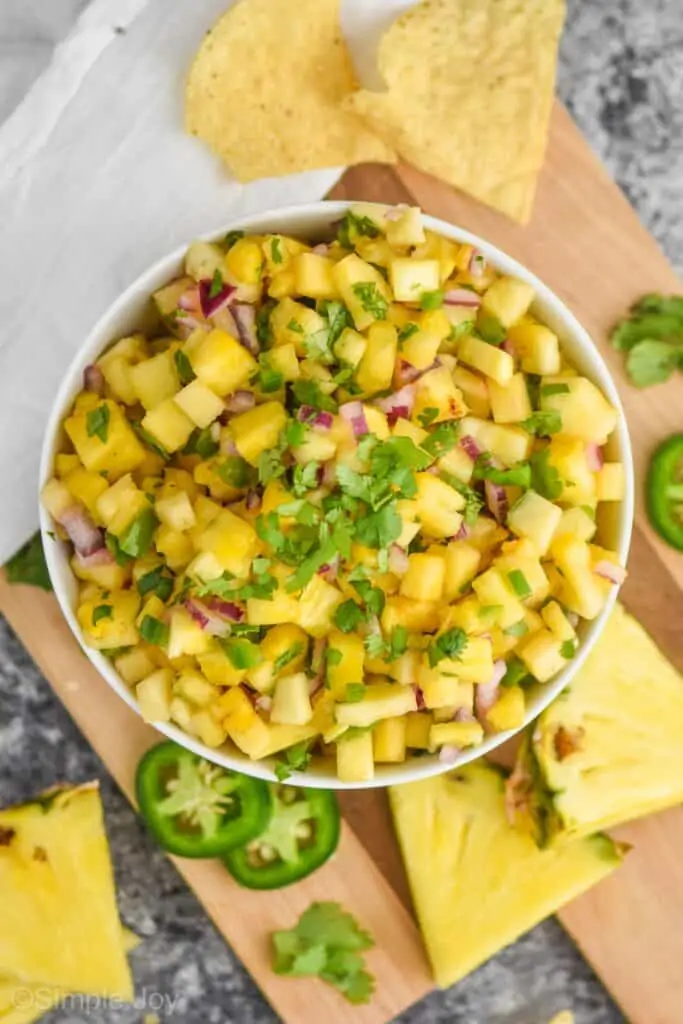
x,y
543,424
304,479
231,238
264,331
352,227
293,759
136,539
287,657
490,329
201,443
216,286
150,441
518,475
517,629
519,583
235,471
450,645
97,422
427,416
568,649
268,379
407,331
326,943
545,479
156,582
516,673
295,326
379,529
441,440
28,565
337,316
184,367
458,330
102,611
309,392
154,631
432,300
242,653
370,298
333,656
348,616
548,390
474,502
276,251
354,692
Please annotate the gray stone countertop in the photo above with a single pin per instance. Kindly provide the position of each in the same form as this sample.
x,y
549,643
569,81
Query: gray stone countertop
x,y
621,74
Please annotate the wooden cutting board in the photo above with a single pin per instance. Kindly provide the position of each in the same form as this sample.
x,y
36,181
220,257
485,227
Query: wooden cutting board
x,y
587,244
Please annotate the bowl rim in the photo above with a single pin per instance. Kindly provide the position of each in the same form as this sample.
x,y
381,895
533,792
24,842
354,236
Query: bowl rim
x,y
320,215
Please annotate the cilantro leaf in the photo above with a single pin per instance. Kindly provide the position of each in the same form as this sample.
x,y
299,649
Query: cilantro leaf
x,y
568,649
293,759
136,539
184,367
275,250
28,565
97,422
351,227
327,943
490,329
407,331
516,673
242,653
450,644
101,611
543,424
337,316
652,362
516,476
545,479
548,390
432,300
201,443
156,582
474,501
354,692
216,286
154,631
231,238
348,616
264,331
371,299
379,529
304,479
442,439
427,416
287,656
235,471
309,392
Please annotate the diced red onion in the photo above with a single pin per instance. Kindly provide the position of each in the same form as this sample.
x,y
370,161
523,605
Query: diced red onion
x,y
406,373
245,318
207,618
101,556
224,320
594,457
184,326
395,212
253,501
462,297
263,702
463,533
330,570
93,379
212,304
190,300
496,500
354,414
315,417
464,715
398,560
227,609
419,697
227,445
449,754
609,571
470,446
81,531
477,266
240,401
508,347
322,249
398,404
486,694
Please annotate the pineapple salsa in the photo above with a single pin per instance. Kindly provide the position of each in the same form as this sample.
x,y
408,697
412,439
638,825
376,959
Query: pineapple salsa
x,y
342,501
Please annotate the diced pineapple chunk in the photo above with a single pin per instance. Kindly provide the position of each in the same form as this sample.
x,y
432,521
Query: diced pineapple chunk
x,y
280,608
207,729
418,724
576,522
154,696
316,606
258,430
541,654
169,425
425,578
244,267
232,541
420,348
86,487
441,689
381,700
155,379
349,667
104,439
439,506
203,259
406,229
242,723
313,276
350,347
416,616
493,590
509,710
199,403
193,687
376,367
389,740
510,402
581,593
557,622
508,299
536,518
134,666
475,391
584,410
283,359
462,561
355,761
176,512
185,635
611,482
363,289
509,444
109,621
221,363
456,734
491,361
411,278
568,456
436,390
537,347
291,700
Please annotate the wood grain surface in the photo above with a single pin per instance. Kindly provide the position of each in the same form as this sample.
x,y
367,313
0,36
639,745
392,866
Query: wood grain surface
x,y
586,243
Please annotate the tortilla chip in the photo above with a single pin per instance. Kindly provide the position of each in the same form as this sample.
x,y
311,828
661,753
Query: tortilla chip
x,y
266,87
470,86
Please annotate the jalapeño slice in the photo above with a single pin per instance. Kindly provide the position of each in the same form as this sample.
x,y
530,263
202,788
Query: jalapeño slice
x,y
302,833
194,808
664,491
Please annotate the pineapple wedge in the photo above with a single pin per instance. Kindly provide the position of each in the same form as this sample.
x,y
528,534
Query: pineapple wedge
x,y
60,927
477,883
610,748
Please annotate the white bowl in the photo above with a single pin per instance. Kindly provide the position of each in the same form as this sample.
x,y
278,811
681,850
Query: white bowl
x,y
314,221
